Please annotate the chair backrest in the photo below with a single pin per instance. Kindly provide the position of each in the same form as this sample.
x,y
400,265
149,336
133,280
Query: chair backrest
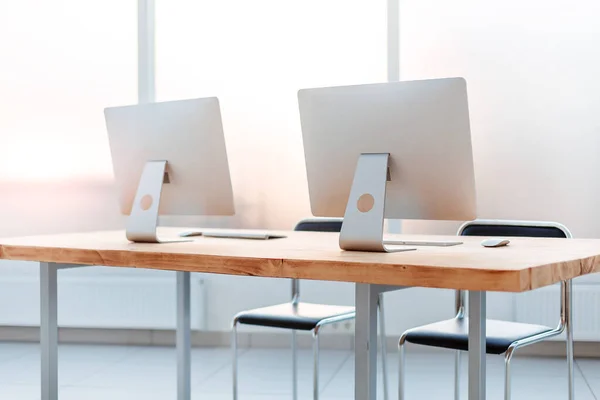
x,y
314,225
319,225
508,228
514,229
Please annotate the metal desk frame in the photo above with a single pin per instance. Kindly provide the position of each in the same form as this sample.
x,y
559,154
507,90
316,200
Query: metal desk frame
x,y
365,357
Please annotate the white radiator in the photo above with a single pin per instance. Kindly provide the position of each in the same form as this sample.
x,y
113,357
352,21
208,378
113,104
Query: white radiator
x,y
542,307
102,301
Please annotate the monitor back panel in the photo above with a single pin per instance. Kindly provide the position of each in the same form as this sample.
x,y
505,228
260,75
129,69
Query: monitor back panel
x,y
186,133
423,125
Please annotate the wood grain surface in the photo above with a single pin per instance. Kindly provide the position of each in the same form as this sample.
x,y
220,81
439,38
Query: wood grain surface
x,y
527,263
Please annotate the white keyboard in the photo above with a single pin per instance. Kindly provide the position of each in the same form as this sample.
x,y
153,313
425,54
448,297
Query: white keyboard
x,y
420,243
254,235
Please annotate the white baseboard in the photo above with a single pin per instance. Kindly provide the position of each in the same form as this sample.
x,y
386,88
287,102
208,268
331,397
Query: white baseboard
x,y
280,339
103,301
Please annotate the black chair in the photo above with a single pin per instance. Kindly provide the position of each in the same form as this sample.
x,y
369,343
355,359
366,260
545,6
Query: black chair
x,y
502,337
297,315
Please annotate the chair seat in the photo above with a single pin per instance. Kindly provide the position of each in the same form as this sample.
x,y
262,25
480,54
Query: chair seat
x,y
305,316
454,334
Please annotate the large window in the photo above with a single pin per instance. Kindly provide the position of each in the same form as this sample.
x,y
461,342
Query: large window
x,y
534,90
255,55
62,62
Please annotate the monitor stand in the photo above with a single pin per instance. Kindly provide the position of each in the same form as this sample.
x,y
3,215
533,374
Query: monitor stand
x,y
143,220
362,229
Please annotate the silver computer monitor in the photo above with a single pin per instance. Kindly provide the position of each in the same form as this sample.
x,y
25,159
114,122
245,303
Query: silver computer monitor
x,y
390,150
169,158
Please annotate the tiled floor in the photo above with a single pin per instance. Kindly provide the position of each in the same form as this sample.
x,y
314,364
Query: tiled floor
x,y
148,373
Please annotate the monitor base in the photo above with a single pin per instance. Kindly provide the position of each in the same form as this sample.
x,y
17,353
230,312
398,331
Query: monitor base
x,y
362,228
143,220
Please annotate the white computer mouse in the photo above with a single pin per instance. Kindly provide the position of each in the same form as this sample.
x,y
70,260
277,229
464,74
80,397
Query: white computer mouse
x,y
495,242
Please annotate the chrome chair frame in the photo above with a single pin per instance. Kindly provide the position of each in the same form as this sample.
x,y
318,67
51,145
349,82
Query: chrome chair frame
x,y
315,334
564,323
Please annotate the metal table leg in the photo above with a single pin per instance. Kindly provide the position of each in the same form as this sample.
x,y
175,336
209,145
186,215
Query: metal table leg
x,y
569,328
183,338
365,342
49,331
383,337
294,366
477,347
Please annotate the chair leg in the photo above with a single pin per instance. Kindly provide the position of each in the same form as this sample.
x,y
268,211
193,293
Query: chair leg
x,y
507,385
383,340
294,366
401,371
457,357
316,364
235,361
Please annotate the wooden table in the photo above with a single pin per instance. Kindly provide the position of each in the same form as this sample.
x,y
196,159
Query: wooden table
x,y
526,264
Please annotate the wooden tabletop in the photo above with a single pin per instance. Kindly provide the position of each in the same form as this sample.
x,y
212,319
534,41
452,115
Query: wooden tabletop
x,y
527,263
